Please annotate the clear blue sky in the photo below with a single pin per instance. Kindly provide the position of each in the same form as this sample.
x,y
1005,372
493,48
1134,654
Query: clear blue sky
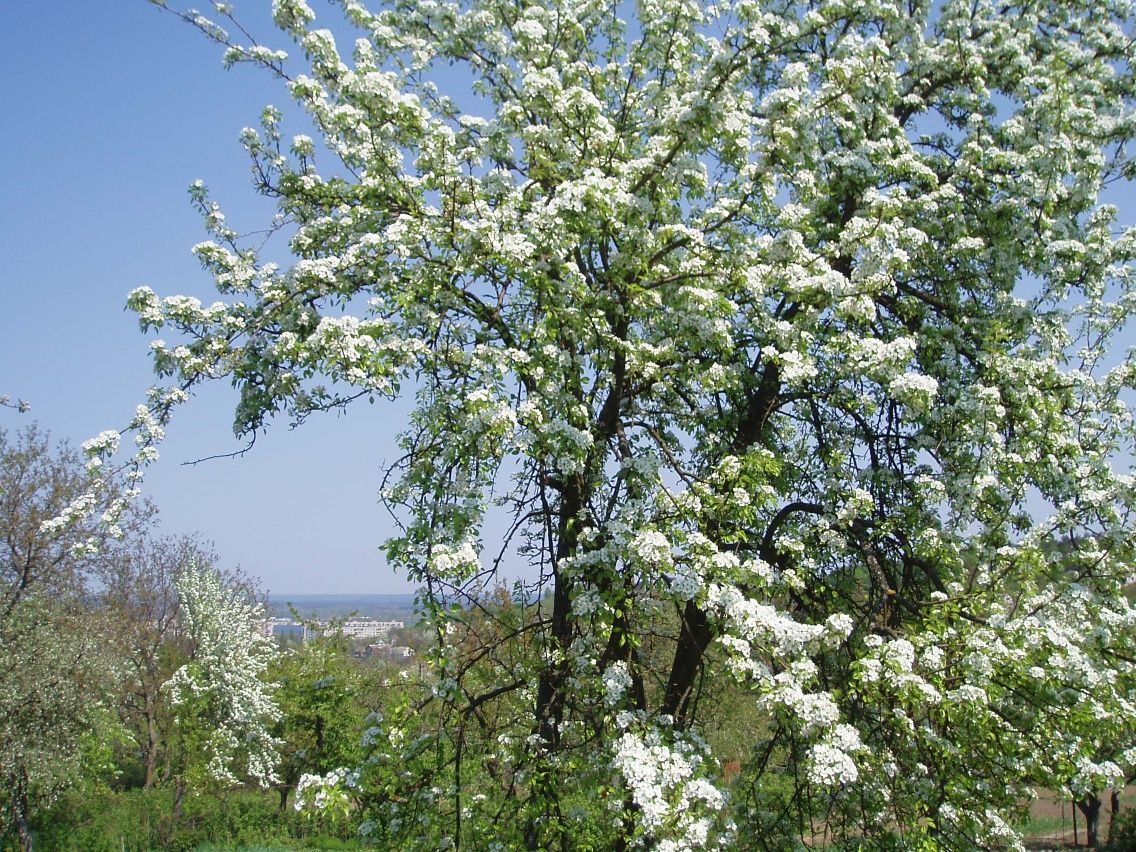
x,y
112,108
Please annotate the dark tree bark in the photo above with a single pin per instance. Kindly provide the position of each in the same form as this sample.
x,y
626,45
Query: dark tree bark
x,y
153,744
1114,810
1090,806
550,689
20,811
692,643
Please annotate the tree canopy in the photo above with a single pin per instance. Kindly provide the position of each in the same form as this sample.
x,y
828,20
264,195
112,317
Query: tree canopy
x,y
792,336
56,676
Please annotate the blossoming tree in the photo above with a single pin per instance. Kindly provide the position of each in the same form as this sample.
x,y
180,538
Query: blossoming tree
x,y
56,674
791,335
140,598
222,704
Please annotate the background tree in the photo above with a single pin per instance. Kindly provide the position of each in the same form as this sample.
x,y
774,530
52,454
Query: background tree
x,y
321,713
797,321
223,707
139,596
55,673
49,513
54,680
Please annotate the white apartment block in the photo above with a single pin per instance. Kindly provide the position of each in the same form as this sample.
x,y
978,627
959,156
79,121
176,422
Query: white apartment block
x,y
355,628
368,628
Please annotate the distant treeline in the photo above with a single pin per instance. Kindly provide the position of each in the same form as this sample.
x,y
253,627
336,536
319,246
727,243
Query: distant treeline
x,y
325,607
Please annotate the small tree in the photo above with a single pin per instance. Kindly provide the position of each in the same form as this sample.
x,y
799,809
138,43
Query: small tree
x,y
223,705
321,715
50,505
55,669
140,598
54,678
799,321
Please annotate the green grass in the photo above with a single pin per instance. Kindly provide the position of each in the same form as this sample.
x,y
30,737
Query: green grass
x,y
139,820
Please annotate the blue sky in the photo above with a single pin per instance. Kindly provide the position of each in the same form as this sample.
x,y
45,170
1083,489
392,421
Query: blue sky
x,y
112,108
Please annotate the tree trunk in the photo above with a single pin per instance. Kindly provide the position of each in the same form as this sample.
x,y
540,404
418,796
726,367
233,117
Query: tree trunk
x,y
550,687
692,643
152,746
20,811
1090,806
550,692
167,833
1114,809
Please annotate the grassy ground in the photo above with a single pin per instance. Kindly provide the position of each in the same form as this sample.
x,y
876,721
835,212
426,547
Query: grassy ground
x,y
139,820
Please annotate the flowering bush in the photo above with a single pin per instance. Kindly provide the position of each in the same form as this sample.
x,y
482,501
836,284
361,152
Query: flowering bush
x,y
223,706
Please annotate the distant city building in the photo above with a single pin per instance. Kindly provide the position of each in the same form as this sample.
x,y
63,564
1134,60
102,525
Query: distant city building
x,y
354,628
368,628
276,627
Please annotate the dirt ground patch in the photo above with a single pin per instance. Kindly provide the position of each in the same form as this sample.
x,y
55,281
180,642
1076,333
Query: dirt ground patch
x,y
1051,823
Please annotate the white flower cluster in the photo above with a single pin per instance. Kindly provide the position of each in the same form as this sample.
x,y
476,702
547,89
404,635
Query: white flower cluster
x,y
914,389
75,511
616,682
651,547
685,583
489,416
752,621
892,662
674,802
1093,776
320,792
450,561
565,446
105,443
830,760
